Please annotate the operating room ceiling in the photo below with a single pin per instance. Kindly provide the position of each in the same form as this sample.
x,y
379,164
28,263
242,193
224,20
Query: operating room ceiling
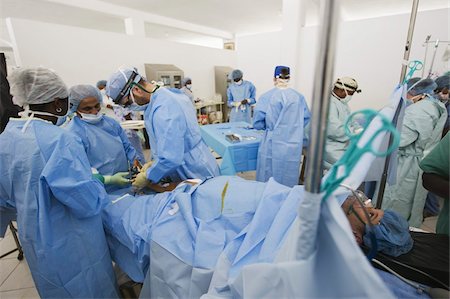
x,y
238,17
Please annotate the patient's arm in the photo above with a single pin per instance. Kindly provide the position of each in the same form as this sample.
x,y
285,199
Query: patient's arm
x,y
163,187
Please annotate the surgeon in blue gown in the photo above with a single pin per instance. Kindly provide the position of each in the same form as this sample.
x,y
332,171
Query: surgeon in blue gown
x,y
241,94
283,113
46,177
105,142
178,150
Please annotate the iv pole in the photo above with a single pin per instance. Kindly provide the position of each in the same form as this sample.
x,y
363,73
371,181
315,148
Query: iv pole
x,y
412,22
436,45
426,52
321,95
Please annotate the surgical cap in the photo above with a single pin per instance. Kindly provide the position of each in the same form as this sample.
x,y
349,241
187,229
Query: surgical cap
x,y
36,86
392,235
282,72
118,80
185,80
416,87
442,82
101,83
78,93
236,74
347,83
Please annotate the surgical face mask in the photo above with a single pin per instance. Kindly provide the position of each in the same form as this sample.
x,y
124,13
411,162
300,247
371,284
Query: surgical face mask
x,y
189,86
346,99
103,91
61,120
91,118
136,107
282,83
239,82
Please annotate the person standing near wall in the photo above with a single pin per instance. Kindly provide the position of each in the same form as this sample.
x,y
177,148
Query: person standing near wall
x,y
283,113
241,94
186,87
107,106
337,140
421,130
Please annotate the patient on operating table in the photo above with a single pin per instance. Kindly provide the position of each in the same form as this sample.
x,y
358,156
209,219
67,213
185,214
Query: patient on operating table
x,y
391,230
196,221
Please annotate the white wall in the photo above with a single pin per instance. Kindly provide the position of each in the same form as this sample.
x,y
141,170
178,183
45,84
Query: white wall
x,y
369,50
257,56
82,55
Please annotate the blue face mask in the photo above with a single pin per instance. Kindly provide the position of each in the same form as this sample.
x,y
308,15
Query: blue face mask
x,y
61,120
136,107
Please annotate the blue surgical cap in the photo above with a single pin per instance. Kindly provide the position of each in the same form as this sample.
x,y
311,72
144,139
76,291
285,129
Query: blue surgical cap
x,y
185,80
282,71
78,93
101,83
392,235
442,82
236,74
118,80
417,86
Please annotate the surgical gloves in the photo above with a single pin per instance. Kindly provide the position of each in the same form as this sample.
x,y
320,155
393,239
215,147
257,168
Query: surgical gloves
x,y
140,182
118,179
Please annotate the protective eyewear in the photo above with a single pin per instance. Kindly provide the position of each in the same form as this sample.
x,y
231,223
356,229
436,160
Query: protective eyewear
x,y
126,88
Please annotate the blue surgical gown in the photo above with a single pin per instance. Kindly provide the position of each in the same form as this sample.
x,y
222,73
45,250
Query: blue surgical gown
x,y
284,114
46,176
175,140
237,93
105,143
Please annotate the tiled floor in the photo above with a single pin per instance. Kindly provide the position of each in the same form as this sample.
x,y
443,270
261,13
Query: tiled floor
x,y
15,276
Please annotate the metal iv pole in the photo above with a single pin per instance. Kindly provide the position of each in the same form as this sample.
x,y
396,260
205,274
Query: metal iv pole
x,y
321,95
412,22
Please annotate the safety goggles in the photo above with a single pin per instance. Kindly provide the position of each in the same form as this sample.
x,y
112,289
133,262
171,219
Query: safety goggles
x,y
127,87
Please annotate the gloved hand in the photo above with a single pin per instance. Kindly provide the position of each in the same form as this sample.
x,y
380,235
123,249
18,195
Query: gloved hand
x,y
146,166
141,181
117,179
236,104
244,102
